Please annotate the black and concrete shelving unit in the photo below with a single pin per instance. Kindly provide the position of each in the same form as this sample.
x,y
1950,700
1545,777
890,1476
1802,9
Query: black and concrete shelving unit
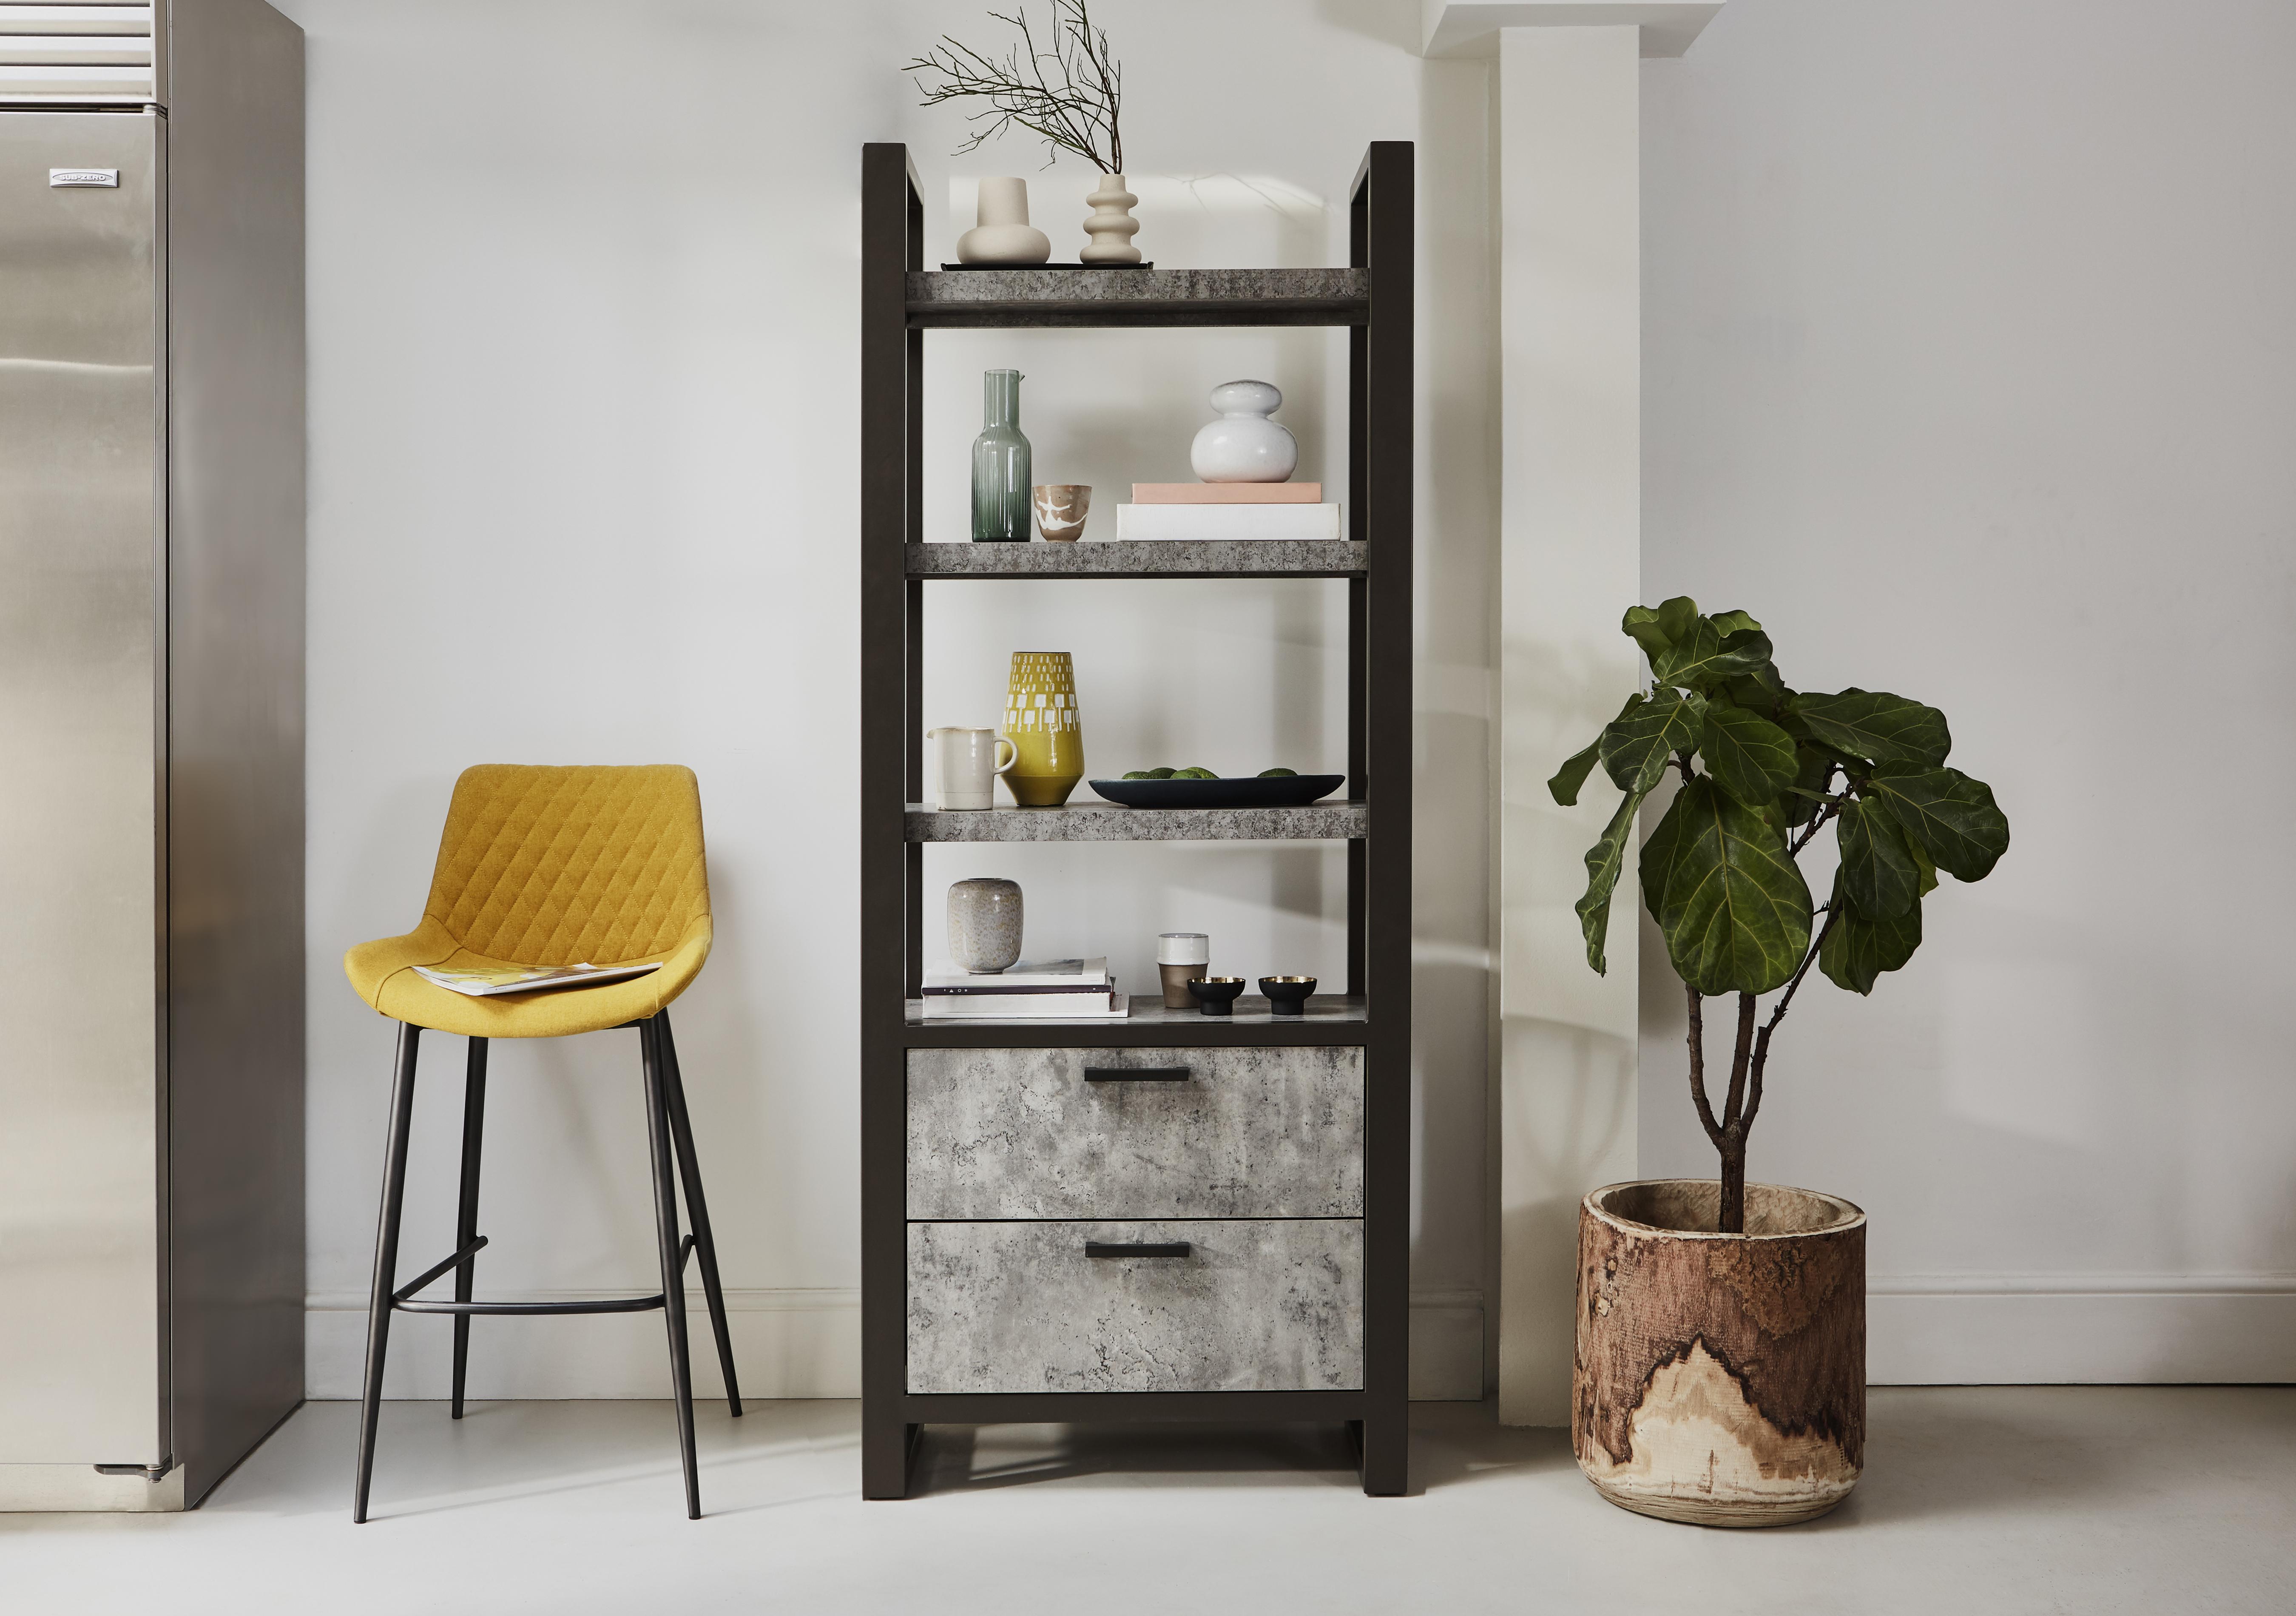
x,y
1210,1219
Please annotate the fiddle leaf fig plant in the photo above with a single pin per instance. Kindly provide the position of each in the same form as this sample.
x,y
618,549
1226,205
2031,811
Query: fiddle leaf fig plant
x,y
1763,770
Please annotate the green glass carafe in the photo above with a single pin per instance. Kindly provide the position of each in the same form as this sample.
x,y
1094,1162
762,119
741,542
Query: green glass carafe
x,y
1000,462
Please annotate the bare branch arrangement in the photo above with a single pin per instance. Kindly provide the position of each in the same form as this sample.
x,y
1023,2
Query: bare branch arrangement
x,y
1076,113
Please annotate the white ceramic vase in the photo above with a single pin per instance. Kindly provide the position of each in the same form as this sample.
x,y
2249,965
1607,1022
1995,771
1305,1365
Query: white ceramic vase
x,y
1112,226
1003,234
1243,444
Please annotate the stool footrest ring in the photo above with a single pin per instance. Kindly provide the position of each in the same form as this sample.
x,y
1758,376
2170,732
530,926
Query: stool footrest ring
x,y
608,1304
401,1300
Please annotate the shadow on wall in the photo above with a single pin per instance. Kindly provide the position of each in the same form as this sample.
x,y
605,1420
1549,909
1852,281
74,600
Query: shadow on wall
x,y
1378,19
1568,1105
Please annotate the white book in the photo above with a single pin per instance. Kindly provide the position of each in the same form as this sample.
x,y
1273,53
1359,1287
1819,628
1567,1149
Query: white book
x,y
1106,1006
1226,522
1050,975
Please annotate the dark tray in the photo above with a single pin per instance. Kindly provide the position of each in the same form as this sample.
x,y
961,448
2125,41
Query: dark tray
x,y
1284,790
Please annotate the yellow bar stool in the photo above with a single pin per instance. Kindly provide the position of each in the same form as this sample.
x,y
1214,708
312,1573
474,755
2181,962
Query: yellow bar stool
x,y
551,867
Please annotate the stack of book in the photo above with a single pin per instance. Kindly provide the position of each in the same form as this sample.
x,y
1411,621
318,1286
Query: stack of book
x,y
1044,990
1227,511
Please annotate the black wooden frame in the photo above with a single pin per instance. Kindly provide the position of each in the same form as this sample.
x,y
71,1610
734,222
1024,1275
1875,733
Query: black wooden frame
x,y
1378,1018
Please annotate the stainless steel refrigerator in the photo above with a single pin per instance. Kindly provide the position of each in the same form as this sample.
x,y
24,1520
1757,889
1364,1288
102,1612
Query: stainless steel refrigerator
x,y
150,746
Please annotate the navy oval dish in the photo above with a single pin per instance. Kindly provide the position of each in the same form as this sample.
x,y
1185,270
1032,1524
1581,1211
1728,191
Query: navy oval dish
x,y
1281,790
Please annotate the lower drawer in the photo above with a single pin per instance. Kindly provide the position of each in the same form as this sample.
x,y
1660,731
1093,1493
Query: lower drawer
x,y
1255,1304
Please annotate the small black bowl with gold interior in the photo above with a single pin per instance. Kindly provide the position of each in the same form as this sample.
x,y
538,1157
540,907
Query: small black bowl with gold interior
x,y
1287,996
1216,995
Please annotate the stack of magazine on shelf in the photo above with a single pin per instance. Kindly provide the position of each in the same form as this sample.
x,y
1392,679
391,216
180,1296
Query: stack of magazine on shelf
x,y
1035,990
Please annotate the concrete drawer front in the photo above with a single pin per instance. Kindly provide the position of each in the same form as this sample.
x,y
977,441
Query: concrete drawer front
x,y
1249,1133
1257,1305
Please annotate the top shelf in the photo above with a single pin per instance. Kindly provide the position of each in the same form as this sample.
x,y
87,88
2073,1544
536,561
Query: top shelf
x,y
948,299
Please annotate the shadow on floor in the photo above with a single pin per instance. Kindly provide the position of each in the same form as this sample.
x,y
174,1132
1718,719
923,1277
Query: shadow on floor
x,y
1451,1444
974,1458
1458,1443
1936,1453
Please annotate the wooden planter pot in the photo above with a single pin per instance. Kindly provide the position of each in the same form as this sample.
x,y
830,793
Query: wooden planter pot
x,y
1720,1379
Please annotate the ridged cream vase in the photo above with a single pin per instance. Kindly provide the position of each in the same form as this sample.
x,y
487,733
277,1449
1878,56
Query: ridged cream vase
x,y
1040,720
1112,226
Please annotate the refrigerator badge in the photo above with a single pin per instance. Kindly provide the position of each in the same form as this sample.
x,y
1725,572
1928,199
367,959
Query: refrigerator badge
x,y
83,176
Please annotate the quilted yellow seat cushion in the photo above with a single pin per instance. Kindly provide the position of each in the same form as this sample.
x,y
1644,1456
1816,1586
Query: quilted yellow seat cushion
x,y
554,866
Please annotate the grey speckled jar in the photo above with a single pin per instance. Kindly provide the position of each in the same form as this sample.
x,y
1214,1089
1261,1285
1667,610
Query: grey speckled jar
x,y
984,924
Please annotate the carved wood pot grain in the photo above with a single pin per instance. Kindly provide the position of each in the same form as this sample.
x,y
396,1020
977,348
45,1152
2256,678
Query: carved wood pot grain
x,y
1720,1379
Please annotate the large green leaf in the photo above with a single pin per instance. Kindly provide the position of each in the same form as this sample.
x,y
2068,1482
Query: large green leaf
x,y
1604,860
1877,867
1748,757
1661,851
1641,626
1857,950
1564,786
1731,622
1814,769
1761,691
1706,659
1922,862
1875,725
1952,816
1736,914
1676,617
1636,746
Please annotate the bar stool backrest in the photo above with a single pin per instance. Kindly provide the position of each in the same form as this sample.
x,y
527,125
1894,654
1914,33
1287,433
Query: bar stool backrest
x,y
554,866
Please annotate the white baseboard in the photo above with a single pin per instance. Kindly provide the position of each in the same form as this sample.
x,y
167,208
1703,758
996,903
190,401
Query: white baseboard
x,y
1922,1330
2105,1329
786,1344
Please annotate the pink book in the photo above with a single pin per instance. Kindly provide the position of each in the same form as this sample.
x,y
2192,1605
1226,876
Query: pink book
x,y
1227,493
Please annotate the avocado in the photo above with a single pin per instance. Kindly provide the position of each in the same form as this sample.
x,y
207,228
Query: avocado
x,y
1279,773
1159,774
1136,773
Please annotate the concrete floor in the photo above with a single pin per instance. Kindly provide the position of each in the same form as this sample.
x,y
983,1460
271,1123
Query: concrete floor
x,y
2160,1500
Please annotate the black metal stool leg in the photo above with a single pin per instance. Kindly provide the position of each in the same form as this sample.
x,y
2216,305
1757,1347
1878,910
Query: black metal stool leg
x,y
697,1211
673,1265
466,1212
385,1257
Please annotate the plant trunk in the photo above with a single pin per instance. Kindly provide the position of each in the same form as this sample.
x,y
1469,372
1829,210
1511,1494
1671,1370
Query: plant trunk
x,y
1732,1220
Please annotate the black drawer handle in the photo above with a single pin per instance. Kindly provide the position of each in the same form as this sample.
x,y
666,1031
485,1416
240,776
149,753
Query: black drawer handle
x,y
1136,1074
1097,1248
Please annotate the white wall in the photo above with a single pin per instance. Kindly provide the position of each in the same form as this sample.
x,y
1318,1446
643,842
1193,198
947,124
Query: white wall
x,y
1570,321
1970,366
585,419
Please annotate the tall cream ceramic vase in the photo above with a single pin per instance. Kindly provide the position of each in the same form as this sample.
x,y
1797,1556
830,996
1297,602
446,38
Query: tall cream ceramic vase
x,y
1040,720
1112,226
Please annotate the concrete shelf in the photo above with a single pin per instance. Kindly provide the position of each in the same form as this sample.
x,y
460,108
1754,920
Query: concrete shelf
x,y
1155,558
1009,297
1112,822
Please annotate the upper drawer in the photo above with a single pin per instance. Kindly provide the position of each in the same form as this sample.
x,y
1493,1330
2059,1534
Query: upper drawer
x,y
1197,1133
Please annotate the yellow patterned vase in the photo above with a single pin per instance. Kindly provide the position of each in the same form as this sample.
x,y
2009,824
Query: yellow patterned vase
x,y
1040,720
